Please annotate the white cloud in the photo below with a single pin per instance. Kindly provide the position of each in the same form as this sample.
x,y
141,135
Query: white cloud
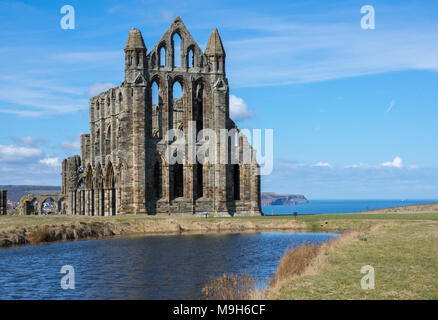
x,y
51,162
76,145
98,88
167,15
396,163
114,9
13,153
360,165
390,107
291,50
72,145
322,164
29,141
29,96
100,57
372,182
22,113
239,109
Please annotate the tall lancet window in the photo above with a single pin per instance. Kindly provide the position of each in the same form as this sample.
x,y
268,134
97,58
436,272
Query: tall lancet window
x,y
162,55
176,44
156,111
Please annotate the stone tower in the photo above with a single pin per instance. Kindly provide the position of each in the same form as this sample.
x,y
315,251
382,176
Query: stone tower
x,y
123,166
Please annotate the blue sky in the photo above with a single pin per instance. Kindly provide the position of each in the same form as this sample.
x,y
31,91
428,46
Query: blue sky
x,y
353,111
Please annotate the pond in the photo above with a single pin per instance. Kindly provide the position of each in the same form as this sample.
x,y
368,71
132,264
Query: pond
x,y
147,267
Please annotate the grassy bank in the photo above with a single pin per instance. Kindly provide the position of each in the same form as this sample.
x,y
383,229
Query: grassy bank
x,y
402,249
21,230
17,230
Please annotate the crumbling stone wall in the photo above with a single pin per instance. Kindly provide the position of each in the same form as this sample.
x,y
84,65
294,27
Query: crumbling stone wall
x,y
33,204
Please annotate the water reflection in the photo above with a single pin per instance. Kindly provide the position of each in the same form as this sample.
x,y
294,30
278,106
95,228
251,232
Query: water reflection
x,y
152,267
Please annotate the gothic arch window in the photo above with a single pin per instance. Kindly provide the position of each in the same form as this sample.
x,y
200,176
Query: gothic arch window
x,y
190,58
236,181
177,90
176,46
156,109
177,111
155,93
162,56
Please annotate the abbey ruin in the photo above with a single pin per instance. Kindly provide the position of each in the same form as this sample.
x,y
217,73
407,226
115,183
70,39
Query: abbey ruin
x,y
122,168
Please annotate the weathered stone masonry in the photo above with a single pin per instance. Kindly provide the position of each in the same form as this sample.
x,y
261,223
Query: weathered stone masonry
x,y
121,168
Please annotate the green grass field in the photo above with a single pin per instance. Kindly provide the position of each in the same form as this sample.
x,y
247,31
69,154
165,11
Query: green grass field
x,y
403,253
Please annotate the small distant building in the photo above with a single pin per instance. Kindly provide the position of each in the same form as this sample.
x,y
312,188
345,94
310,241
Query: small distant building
x,y
3,202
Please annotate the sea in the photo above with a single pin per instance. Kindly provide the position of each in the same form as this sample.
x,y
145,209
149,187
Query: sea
x,y
340,206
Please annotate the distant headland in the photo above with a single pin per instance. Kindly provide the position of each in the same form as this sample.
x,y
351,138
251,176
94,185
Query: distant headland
x,y
276,199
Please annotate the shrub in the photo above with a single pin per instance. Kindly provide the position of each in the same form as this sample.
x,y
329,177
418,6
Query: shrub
x,y
294,262
230,287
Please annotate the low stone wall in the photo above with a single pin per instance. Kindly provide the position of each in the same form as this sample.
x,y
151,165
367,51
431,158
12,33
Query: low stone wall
x,y
33,204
